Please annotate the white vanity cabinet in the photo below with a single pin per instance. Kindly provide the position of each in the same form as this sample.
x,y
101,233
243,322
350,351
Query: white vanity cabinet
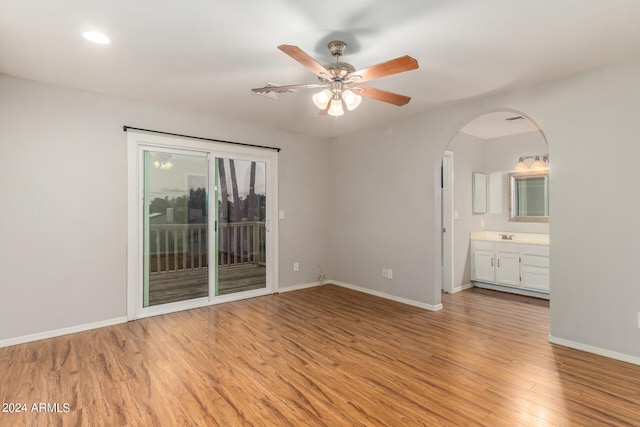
x,y
483,261
518,266
495,263
507,264
535,267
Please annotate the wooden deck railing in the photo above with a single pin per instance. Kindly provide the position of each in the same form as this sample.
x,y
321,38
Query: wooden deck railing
x,y
176,247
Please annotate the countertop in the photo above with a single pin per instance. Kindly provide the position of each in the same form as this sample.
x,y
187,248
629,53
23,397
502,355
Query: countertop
x,y
524,238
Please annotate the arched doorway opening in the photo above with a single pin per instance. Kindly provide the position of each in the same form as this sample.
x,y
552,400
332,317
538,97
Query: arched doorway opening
x,y
482,157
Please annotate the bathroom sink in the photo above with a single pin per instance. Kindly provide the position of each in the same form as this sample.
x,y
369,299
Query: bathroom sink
x,y
511,237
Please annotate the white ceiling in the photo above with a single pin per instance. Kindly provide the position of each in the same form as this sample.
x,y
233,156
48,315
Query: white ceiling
x,y
500,123
206,55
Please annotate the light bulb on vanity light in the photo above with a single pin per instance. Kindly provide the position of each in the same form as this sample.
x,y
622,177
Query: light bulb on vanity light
x,y
521,165
538,164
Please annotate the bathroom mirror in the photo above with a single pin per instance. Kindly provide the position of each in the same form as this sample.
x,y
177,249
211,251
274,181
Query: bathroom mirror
x,y
529,197
479,205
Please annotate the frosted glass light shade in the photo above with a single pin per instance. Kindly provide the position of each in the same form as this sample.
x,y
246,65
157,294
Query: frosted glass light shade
x,y
336,109
322,98
521,166
537,164
351,99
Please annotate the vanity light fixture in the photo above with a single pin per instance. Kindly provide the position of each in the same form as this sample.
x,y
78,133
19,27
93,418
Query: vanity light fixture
x,y
536,165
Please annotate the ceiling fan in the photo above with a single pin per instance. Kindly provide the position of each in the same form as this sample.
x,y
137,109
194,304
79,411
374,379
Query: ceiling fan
x,y
342,82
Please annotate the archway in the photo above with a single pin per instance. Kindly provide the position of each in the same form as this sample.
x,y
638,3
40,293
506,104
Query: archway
x,y
491,144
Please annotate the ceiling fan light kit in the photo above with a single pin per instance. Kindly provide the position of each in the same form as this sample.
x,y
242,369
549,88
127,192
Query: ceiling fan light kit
x,y
341,82
351,100
322,98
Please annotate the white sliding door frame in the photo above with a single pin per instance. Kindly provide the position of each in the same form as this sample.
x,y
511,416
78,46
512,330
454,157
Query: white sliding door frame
x,y
137,142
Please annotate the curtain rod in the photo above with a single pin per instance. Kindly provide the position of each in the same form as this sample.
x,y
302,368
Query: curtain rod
x,y
126,128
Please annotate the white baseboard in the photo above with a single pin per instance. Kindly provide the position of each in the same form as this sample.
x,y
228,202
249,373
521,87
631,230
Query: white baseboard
x,y
509,289
59,332
118,320
462,287
388,296
595,350
301,286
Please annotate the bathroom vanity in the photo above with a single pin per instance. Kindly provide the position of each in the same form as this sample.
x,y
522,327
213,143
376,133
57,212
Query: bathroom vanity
x,y
511,262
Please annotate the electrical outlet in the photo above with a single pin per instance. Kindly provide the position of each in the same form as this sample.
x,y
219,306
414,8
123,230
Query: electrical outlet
x,y
384,272
296,266
389,273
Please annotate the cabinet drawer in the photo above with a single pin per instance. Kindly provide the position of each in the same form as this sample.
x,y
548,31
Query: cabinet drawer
x,y
512,248
540,250
482,244
535,261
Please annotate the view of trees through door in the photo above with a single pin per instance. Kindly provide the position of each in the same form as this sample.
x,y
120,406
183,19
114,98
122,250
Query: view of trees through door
x,y
177,246
241,225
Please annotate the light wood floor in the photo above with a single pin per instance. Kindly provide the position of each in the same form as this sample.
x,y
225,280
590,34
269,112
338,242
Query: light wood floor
x,y
323,356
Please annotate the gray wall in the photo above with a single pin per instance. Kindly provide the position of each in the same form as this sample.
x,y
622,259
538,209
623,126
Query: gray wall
x,y
501,155
355,204
589,121
468,157
64,195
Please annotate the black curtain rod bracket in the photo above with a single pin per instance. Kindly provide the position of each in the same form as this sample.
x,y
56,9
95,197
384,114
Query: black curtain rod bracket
x,y
126,128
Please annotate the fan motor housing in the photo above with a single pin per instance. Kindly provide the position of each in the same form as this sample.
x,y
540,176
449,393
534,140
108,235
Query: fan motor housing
x,y
336,47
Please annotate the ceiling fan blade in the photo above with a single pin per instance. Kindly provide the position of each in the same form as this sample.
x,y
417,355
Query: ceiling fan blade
x,y
299,55
395,66
275,88
382,95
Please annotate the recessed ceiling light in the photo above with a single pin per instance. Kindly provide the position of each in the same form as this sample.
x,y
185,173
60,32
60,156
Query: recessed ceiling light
x,y
96,37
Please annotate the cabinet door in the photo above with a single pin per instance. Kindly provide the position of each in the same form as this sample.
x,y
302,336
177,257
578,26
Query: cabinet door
x,y
508,269
483,270
535,278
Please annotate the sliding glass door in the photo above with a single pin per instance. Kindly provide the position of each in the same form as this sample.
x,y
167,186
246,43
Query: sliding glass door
x,y
242,232
176,227
199,217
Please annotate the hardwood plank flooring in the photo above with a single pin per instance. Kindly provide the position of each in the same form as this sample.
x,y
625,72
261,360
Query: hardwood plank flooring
x,y
323,356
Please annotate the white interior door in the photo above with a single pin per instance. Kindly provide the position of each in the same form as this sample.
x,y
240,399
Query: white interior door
x,y
447,222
